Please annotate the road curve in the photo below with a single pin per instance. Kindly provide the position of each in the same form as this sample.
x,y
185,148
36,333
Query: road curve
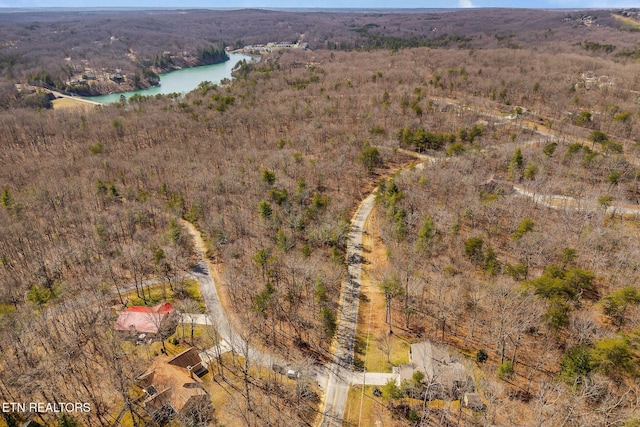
x,y
75,98
216,312
339,374
554,201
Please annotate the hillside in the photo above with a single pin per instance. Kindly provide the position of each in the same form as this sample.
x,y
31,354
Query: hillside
x,y
512,245
61,48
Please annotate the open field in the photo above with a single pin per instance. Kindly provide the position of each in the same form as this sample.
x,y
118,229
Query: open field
x,y
69,103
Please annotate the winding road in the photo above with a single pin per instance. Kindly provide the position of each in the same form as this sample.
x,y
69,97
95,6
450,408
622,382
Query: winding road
x,y
554,201
337,377
339,374
74,98
216,314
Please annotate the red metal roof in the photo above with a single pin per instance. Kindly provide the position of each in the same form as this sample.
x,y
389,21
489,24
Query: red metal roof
x,y
162,308
143,319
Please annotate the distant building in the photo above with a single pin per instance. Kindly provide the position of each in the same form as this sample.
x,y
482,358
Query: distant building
x,y
117,78
175,390
27,89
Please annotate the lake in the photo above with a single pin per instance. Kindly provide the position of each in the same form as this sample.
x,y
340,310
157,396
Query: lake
x,y
181,81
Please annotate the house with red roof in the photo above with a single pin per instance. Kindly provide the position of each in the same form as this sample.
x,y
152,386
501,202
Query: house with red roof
x,y
145,320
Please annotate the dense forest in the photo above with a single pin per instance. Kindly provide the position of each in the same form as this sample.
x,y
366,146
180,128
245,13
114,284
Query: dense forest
x,y
514,245
126,50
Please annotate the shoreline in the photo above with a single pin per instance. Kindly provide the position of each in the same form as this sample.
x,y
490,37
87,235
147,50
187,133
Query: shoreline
x,y
173,84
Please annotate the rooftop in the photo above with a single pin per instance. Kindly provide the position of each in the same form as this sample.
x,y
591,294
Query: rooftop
x,y
167,383
143,319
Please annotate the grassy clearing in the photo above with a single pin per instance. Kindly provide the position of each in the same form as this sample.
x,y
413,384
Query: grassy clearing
x,y
192,289
6,309
203,335
153,295
376,360
365,409
372,329
176,343
162,292
68,103
149,351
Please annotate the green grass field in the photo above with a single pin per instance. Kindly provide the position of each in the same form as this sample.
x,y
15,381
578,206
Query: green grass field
x,y
162,292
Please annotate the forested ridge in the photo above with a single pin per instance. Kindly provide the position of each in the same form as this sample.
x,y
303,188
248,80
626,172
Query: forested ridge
x,y
270,169
126,50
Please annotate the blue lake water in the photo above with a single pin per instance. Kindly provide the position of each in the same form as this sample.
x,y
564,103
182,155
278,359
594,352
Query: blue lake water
x,y
181,81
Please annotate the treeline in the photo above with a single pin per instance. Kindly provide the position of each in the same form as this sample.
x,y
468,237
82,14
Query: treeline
x,y
367,41
213,55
